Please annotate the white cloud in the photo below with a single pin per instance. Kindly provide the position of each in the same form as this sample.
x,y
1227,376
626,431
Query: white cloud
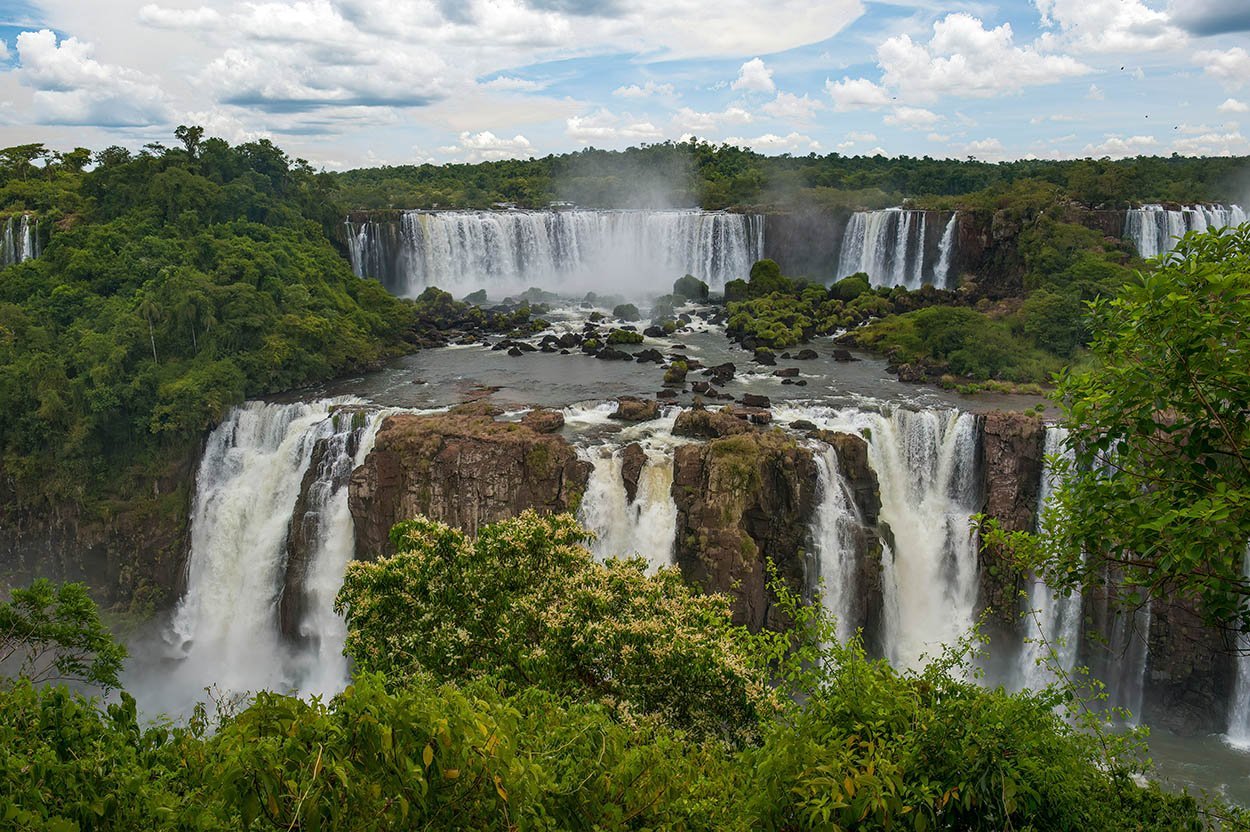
x,y
754,76
1095,93
605,127
4,50
507,83
912,118
687,119
483,146
937,137
1232,105
789,107
1231,66
963,58
1230,143
857,136
73,88
985,149
1106,26
648,90
790,143
161,17
1119,147
856,94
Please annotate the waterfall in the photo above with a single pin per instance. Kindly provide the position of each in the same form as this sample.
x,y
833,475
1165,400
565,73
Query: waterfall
x,y
946,253
892,247
1053,623
630,252
927,465
646,526
836,537
1238,733
254,470
1154,229
21,240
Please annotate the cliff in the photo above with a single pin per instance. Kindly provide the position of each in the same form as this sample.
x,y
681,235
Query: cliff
x,y
463,468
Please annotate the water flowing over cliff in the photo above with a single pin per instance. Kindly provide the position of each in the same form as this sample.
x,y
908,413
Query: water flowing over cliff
x,y
21,240
622,252
629,503
898,247
1238,732
1154,228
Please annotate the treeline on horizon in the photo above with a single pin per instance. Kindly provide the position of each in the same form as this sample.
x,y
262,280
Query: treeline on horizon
x,y
698,173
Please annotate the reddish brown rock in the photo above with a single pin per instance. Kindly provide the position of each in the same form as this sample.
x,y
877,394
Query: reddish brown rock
x,y
633,460
463,468
543,421
631,409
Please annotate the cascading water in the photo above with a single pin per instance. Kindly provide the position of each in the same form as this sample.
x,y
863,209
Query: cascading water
x,y
21,240
893,248
623,252
1154,229
946,253
225,631
645,526
1052,623
1238,732
836,537
927,465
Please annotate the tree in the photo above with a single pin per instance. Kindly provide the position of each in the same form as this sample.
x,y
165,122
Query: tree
x,y
1159,487
53,632
525,603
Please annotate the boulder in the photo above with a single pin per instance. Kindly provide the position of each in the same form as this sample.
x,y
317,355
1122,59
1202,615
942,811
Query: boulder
x,y
613,354
463,468
543,421
709,424
806,354
754,400
631,409
787,372
633,460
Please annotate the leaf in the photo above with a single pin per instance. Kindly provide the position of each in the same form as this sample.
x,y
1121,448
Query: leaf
x,y
427,755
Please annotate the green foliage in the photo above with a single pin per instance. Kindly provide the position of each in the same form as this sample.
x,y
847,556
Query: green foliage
x,y
766,278
525,603
691,288
624,336
961,341
849,288
626,312
53,632
1160,427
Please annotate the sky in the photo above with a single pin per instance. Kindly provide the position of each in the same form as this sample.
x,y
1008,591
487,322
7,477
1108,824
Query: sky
x,y
355,83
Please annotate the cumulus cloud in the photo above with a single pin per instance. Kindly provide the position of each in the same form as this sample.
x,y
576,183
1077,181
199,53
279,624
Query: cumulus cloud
x,y
789,107
912,118
1230,66
161,17
1228,143
856,94
985,149
1119,147
964,58
606,127
4,50
687,119
1095,93
1211,17
754,76
648,90
485,146
72,88
790,143
507,83
1232,105
1102,26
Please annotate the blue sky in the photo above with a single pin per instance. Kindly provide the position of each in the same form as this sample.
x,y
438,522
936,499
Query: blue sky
x,y
345,83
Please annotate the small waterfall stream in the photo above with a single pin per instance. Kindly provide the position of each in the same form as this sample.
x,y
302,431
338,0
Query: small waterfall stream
x,y
20,241
1154,229
836,538
1238,732
894,248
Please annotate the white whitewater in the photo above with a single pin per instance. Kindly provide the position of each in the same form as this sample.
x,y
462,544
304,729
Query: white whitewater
x,y
946,253
926,464
648,525
20,241
1238,732
1052,623
623,252
890,246
1154,229
834,538
225,630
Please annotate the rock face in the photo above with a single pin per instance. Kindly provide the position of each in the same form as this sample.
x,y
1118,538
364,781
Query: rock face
x,y
1012,451
633,460
543,421
742,500
1191,673
463,468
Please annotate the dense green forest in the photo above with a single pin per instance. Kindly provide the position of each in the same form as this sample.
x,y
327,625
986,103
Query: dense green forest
x,y
174,283
512,682
695,173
